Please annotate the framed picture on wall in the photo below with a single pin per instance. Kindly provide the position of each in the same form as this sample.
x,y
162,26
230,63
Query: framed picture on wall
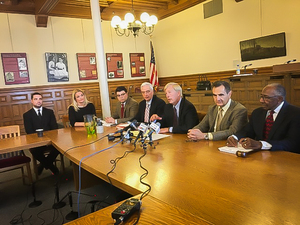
x,y
263,47
87,67
114,62
15,68
57,67
137,64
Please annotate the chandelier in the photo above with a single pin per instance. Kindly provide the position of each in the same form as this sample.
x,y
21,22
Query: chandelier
x,y
131,25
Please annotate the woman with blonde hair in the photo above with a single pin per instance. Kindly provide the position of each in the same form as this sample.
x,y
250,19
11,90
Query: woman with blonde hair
x,y
80,106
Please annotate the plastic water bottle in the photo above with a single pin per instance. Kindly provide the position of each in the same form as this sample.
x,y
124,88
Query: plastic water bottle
x,y
238,70
99,126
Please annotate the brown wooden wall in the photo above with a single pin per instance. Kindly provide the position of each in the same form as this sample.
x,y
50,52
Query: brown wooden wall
x,y
16,101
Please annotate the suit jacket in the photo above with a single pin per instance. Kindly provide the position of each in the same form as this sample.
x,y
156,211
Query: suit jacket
x,y
131,109
285,132
157,107
233,121
188,117
32,121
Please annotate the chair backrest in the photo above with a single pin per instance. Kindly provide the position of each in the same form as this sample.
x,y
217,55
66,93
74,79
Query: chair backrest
x,y
66,121
9,132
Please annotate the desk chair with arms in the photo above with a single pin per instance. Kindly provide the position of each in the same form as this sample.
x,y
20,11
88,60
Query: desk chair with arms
x,y
14,160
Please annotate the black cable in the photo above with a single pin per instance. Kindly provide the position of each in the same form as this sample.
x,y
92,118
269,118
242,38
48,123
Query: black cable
x,y
84,144
145,193
116,160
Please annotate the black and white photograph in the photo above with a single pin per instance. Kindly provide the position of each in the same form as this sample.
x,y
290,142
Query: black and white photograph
x,y
142,69
92,60
9,77
23,74
111,74
57,67
22,64
119,64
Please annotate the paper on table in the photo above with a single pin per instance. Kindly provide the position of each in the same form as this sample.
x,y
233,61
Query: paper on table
x,y
106,124
233,150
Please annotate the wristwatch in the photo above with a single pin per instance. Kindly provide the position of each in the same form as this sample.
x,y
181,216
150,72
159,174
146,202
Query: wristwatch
x,y
206,136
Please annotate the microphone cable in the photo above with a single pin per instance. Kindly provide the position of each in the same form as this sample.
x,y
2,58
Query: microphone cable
x,y
79,181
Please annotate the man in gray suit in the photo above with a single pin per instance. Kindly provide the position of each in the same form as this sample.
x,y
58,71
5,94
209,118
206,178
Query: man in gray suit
x,y
223,119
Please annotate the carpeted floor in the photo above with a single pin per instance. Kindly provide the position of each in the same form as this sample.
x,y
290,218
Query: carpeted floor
x,y
16,197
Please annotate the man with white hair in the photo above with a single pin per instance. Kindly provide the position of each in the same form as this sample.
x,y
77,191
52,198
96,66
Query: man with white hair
x,y
150,105
179,115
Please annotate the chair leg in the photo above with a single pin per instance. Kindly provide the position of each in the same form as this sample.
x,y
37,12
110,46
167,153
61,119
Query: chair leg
x,y
23,175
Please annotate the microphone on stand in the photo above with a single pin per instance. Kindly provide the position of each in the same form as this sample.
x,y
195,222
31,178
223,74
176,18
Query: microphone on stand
x,y
35,203
292,60
245,67
154,127
71,215
142,130
58,203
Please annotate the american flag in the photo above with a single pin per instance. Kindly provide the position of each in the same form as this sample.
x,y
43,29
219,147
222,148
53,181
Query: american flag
x,y
153,71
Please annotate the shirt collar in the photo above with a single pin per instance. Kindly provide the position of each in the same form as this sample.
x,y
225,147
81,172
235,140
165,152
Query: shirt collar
x,y
36,109
226,107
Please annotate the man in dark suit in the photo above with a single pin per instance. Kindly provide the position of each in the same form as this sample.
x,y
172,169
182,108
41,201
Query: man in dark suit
x,y
274,126
150,105
179,115
223,119
126,107
41,118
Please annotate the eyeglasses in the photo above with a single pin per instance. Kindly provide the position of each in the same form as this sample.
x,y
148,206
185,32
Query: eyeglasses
x,y
266,97
146,92
121,95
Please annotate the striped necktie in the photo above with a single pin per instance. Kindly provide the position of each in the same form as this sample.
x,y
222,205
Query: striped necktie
x,y
268,125
147,110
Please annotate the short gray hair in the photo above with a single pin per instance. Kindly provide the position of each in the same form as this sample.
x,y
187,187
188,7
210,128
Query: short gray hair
x,y
147,83
279,89
175,86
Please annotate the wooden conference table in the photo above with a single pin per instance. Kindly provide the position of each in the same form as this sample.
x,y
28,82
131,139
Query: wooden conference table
x,y
194,179
221,188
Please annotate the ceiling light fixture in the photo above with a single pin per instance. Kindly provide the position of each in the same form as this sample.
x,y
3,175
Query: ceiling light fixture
x,y
131,25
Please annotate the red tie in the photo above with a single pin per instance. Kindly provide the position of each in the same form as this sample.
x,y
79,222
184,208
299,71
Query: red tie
x,y
122,110
268,125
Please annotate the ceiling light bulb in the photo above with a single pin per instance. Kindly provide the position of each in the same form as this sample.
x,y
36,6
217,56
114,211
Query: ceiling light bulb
x,y
123,24
153,19
138,23
144,17
129,17
116,20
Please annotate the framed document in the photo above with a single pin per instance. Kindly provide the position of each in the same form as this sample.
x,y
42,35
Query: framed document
x,y
114,62
57,67
137,64
87,66
15,68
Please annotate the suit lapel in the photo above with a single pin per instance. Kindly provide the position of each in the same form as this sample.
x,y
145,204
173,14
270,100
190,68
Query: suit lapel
x,y
213,118
279,119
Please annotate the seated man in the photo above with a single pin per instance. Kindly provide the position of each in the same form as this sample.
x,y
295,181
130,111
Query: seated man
x,y
223,119
126,108
274,126
179,115
41,118
150,105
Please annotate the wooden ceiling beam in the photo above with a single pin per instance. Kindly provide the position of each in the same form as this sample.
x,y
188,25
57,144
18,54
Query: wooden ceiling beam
x,y
42,10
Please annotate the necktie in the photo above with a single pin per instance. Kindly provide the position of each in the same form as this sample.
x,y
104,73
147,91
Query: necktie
x,y
268,125
39,114
122,110
146,117
219,118
175,119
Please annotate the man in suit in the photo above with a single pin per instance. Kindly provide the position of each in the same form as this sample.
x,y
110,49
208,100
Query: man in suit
x,y
223,119
39,117
274,126
126,108
150,105
179,115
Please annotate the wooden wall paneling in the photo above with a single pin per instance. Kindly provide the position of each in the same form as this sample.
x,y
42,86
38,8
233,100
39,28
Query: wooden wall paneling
x,y
295,89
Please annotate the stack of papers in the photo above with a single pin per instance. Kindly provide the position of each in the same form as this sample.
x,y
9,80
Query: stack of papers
x,y
233,150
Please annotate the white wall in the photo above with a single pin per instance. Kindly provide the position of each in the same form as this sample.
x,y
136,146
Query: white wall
x,y
185,43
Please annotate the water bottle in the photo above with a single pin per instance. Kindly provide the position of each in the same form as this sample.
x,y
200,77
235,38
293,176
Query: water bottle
x,y
99,126
238,70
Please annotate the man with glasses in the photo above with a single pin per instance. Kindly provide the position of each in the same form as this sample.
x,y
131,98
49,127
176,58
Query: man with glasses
x,y
126,108
274,126
150,105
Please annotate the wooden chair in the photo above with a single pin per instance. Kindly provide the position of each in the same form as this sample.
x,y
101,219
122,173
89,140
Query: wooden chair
x,y
65,120
14,160
201,115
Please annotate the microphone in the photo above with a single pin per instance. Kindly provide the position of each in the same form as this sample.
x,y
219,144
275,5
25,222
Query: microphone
x,y
133,125
245,67
154,127
292,60
142,128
